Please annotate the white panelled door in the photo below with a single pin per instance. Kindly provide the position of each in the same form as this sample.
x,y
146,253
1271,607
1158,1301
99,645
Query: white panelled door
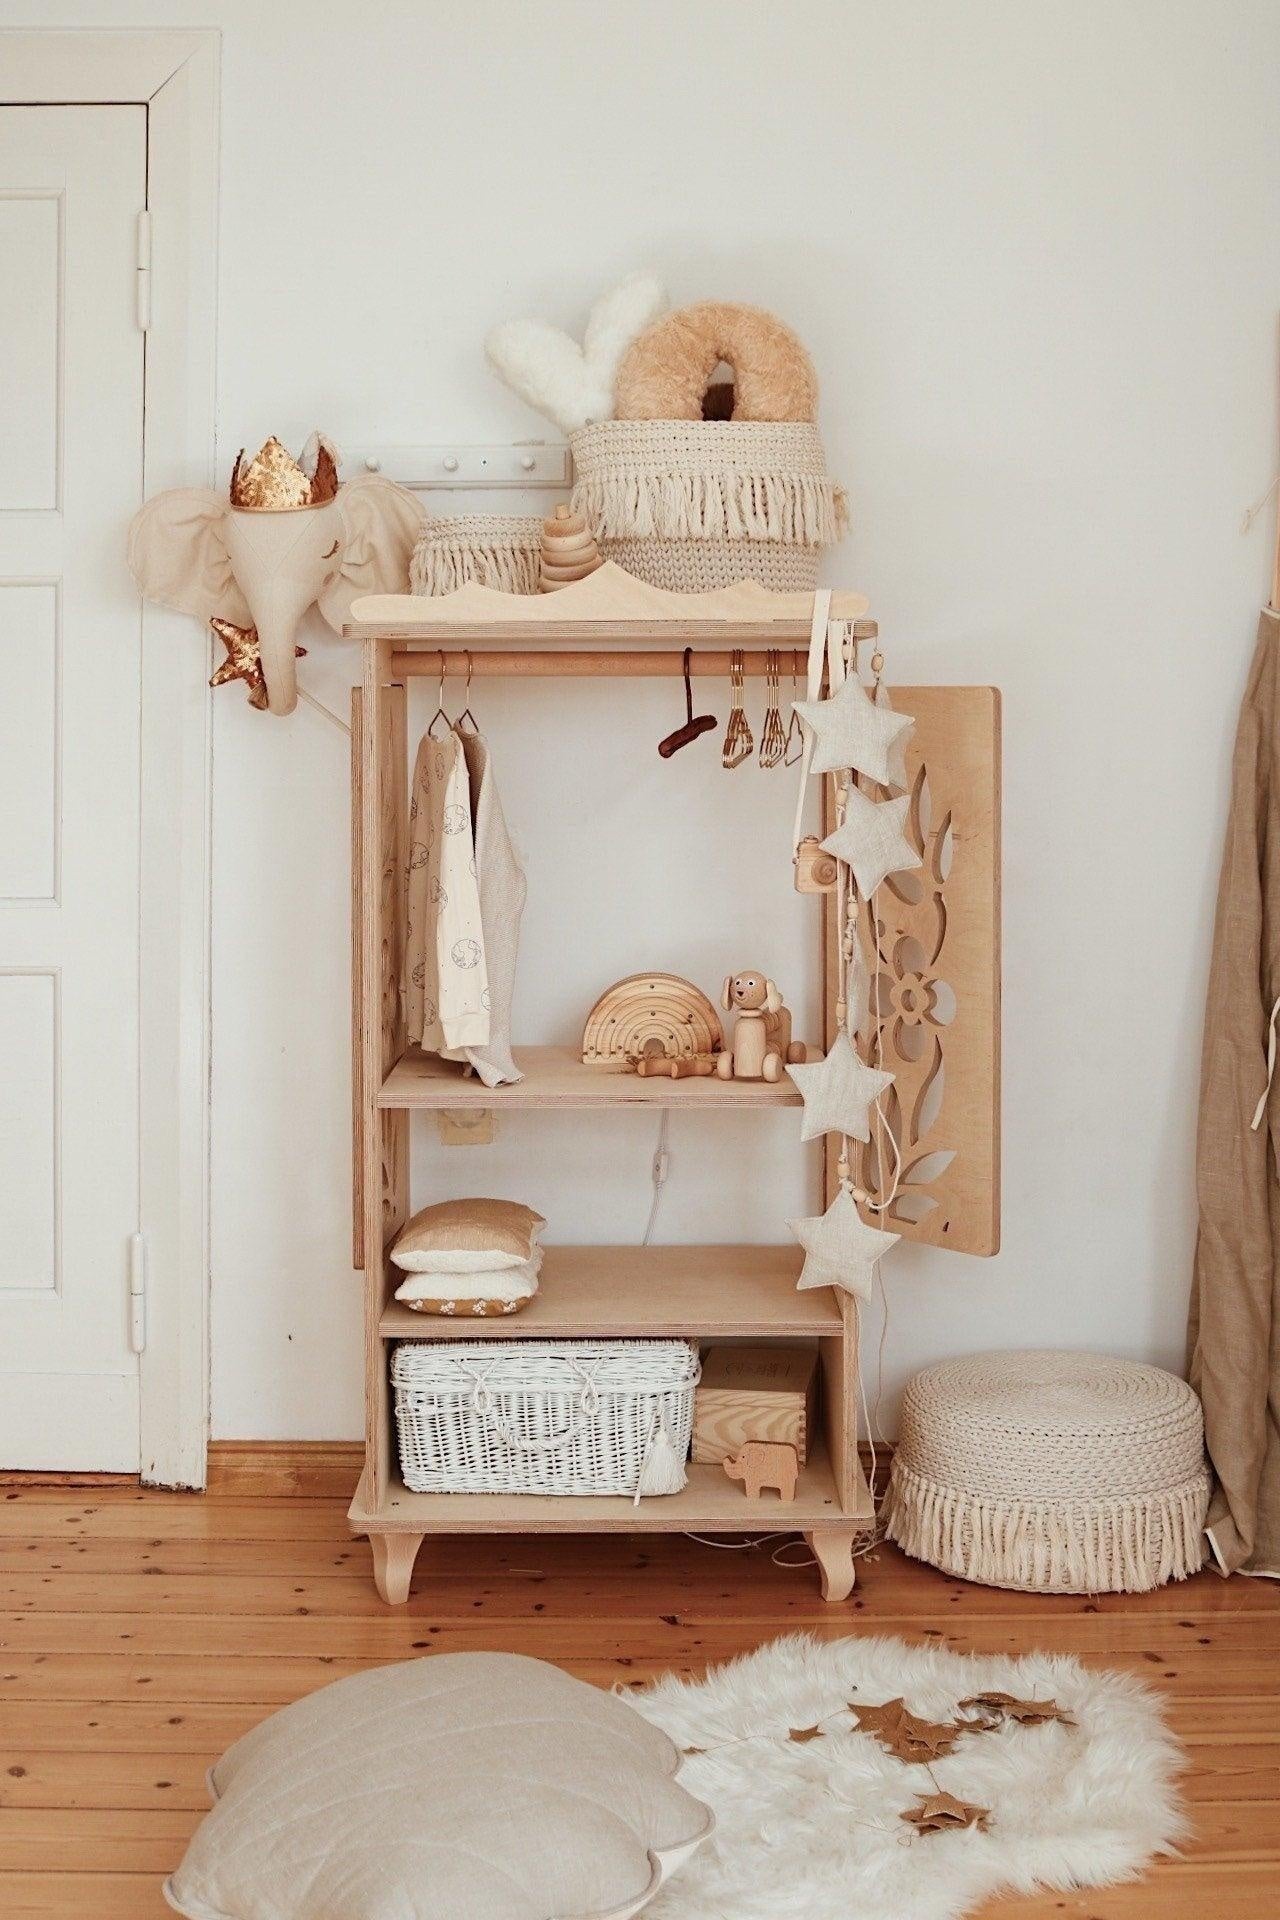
x,y
72,184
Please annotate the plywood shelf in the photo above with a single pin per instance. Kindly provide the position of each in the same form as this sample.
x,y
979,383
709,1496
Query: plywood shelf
x,y
556,1077
711,1293
710,1503
609,605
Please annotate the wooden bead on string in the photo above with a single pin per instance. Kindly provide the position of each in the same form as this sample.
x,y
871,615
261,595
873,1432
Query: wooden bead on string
x,y
870,630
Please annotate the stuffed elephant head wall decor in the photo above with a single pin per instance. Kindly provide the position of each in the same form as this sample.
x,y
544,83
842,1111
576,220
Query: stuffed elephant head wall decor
x,y
263,565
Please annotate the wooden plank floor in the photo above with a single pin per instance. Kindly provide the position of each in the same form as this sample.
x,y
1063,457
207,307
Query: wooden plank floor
x,y
141,1632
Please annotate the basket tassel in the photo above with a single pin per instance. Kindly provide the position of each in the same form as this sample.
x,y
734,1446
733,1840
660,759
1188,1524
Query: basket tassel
x,y
663,1469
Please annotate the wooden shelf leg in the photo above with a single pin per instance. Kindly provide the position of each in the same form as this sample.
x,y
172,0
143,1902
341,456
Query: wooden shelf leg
x,y
393,1558
833,1550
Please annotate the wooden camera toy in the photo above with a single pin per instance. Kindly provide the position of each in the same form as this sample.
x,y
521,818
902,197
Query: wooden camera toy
x,y
815,869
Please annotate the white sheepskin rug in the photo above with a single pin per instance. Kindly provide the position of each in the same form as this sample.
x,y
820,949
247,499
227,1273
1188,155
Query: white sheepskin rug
x,y
812,1830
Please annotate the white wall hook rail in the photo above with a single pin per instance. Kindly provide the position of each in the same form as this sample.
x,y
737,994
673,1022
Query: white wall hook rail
x,y
530,464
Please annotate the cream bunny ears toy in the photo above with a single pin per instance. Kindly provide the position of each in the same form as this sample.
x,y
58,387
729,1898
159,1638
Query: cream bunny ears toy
x,y
571,384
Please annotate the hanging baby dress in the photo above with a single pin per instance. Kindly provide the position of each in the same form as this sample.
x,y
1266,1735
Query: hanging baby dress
x,y
466,897
502,896
447,984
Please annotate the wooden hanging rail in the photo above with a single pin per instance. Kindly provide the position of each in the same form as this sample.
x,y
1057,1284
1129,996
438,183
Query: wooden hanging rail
x,y
541,664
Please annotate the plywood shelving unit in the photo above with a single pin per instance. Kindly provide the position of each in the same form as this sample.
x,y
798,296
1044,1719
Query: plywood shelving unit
x,y
608,623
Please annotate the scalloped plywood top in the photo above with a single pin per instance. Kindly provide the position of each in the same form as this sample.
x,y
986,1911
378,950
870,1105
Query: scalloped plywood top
x,y
609,603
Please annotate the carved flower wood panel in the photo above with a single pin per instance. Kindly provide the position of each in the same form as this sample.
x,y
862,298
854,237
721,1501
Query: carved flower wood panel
x,y
933,965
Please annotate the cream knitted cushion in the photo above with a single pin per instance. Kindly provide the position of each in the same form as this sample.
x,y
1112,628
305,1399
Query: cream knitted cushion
x,y
1055,1472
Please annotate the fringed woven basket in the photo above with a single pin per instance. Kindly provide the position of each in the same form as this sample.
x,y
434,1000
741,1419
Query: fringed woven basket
x,y
1051,1473
697,504
494,550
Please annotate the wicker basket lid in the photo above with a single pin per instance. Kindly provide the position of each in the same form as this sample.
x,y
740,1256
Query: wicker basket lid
x,y
1046,1425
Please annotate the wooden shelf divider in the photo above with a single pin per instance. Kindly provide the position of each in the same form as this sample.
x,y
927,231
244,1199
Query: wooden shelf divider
x,y
557,1077
643,1293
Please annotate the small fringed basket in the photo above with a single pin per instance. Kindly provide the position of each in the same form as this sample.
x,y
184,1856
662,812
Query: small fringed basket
x,y
494,550
1051,1472
536,1416
696,504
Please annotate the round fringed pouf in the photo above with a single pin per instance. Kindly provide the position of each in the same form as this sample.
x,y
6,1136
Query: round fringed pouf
x,y
1051,1472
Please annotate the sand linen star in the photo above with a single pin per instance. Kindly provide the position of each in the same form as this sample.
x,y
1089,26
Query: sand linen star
x,y
850,731
898,751
838,1092
840,1249
872,839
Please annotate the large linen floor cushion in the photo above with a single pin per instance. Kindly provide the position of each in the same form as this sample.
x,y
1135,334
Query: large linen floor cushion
x,y
469,1786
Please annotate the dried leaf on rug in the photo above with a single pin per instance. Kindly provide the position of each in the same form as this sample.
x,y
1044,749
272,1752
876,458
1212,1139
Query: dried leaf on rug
x,y
803,1735
943,1813
995,1709
903,1734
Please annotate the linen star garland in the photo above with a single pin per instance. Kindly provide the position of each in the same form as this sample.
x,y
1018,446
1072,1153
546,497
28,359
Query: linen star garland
x,y
849,730
840,1249
838,1092
872,839
898,751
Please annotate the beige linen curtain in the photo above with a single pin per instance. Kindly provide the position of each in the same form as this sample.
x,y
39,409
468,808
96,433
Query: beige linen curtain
x,y
1234,1327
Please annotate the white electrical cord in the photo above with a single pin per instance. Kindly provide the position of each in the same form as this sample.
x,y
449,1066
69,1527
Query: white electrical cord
x,y
658,1172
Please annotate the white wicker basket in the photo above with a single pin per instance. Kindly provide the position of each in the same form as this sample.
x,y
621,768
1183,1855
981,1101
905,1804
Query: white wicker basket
x,y
539,1416
698,504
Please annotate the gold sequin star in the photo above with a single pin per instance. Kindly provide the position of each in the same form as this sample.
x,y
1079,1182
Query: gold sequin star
x,y
242,661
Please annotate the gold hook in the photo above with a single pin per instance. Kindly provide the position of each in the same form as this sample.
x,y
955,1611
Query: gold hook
x,y
466,714
793,743
440,713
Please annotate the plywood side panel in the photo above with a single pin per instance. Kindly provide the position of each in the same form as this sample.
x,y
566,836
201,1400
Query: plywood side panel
x,y
933,956
385,1160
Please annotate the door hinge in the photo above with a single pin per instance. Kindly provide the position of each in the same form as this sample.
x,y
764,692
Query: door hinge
x,y
144,270
138,1292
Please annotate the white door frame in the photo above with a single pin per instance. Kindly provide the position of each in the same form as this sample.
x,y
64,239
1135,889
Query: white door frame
x,y
175,76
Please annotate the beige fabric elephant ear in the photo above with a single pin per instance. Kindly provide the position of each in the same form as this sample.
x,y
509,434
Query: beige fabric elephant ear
x,y
382,522
178,555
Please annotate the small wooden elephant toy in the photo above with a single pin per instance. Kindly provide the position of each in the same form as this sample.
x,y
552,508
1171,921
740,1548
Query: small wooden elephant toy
x,y
764,1463
762,1044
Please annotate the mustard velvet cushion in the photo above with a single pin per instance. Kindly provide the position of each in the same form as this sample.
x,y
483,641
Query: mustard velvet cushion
x,y
468,1786
468,1236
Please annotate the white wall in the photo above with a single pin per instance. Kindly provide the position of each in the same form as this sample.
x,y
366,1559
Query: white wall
x,y
1034,252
